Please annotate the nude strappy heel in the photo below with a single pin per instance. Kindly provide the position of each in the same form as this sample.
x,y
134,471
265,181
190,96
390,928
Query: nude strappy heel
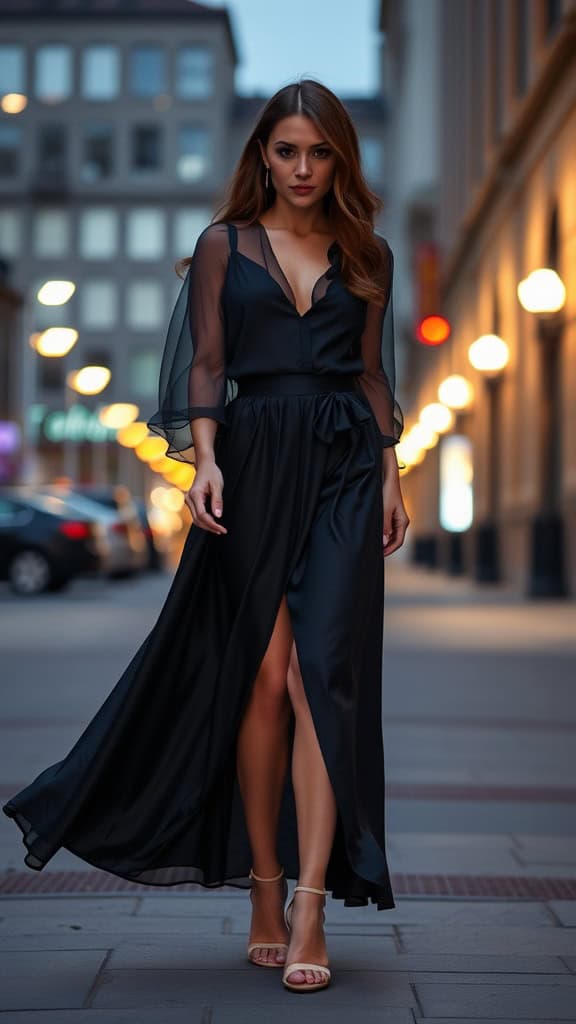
x,y
291,968
264,944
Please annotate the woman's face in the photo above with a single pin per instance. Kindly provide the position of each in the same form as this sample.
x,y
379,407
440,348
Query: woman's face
x,y
298,155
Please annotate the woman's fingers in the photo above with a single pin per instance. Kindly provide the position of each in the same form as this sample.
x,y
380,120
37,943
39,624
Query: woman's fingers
x,y
395,526
196,500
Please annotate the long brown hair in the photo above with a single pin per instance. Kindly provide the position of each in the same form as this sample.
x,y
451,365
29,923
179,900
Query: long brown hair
x,y
350,204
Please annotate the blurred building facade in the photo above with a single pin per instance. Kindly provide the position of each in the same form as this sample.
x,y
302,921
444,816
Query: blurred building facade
x,y
498,204
108,175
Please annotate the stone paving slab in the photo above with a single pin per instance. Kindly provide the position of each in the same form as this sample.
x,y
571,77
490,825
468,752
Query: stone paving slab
x,y
451,911
100,928
541,1002
228,952
49,979
351,992
518,912
439,963
68,907
546,849
460,939
281,1013
565,911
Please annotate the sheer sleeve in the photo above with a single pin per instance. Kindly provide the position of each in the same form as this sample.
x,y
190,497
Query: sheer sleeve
x,y
193,380
378,379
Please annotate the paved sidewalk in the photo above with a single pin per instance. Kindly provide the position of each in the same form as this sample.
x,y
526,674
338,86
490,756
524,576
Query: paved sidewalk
x,y
479,732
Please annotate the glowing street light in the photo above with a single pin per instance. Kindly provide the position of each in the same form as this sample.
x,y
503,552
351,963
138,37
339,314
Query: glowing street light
x,y
55,293
90,380
13,102
151,448
132,435
55,341
456,392
543,291
118,415
437,417
489,354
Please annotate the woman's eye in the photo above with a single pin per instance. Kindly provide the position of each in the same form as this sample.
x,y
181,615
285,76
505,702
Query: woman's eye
x,y
284,151
323,152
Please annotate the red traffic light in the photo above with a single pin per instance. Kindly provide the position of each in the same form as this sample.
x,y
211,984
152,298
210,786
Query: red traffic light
x,y
433,330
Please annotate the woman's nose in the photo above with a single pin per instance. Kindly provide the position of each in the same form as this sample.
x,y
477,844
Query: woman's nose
x,y
303,168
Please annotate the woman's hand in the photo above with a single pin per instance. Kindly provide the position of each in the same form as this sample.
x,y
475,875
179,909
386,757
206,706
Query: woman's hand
x,y
395,517
207,482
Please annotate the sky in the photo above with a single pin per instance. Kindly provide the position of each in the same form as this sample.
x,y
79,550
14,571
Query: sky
x,y
335,41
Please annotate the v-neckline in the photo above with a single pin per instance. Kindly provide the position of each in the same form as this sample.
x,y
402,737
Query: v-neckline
x,y
331,249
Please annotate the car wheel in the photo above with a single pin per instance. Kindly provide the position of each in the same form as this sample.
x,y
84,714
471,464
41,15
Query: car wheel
x,y
30,572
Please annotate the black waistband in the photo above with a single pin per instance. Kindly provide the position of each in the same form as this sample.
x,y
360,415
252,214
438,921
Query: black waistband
x,y
294,383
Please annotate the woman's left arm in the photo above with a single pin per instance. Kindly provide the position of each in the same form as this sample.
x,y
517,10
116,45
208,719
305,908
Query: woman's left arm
x,y
378,383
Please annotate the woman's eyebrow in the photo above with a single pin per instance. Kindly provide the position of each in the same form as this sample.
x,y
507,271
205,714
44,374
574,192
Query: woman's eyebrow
x,y
282,142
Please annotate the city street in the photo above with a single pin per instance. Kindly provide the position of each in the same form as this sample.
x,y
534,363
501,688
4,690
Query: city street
x,y
479,734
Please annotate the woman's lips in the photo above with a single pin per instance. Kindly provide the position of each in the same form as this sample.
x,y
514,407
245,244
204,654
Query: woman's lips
x,y
303,188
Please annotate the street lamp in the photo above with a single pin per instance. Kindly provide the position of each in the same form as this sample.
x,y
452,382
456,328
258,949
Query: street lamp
x,y
489,355
89,380
544,294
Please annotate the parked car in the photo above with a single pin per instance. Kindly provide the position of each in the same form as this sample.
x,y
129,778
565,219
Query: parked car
x,y
43,543
117,497
117,555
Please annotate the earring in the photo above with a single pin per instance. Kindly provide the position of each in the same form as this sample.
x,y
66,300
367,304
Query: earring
x,y
267,181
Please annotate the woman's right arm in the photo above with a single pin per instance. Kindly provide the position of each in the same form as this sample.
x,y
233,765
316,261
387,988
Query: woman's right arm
x,y
207,374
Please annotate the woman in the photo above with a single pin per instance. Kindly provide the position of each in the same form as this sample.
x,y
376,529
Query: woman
x,y
278,379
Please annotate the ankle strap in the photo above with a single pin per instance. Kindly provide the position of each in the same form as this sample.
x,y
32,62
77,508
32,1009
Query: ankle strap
x,y
309,888
274,879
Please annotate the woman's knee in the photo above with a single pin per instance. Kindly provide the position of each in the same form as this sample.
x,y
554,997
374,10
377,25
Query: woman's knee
x,y
270,687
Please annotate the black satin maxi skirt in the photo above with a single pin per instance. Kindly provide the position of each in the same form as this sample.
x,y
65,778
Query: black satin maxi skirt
x,y
149,791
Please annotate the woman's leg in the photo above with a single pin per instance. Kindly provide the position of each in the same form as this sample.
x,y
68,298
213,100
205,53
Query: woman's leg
x,y
316,813
262,763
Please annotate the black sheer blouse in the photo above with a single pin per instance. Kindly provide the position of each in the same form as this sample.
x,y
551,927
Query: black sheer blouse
x,y
236,314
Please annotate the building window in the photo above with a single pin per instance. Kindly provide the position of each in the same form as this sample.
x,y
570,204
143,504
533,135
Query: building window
x,y
52,151
98,233
194,72
12,77
146,234
53,73
146,147
10,233
193,161
371,155
144,305
98,151
99,304
144,371
187,226
10,147
51,233
147,71
100,72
